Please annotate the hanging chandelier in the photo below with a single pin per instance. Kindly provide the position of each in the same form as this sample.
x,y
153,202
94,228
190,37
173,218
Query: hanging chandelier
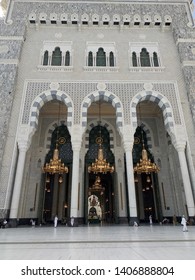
x,y
145,165
55,165
100,165
97,186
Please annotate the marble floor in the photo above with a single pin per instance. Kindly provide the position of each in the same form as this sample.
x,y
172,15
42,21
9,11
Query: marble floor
x,y
156,242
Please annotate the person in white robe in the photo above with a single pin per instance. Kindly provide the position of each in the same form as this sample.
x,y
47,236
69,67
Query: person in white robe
x,y
55,221
184,223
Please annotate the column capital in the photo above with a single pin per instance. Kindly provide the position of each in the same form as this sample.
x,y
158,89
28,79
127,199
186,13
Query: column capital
x,y
128,137
128,134
128,146
76,145
23,145
76,137
180,146
23,137
179,140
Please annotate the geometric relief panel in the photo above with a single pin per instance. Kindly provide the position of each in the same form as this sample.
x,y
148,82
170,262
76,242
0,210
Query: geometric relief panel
x,y
169,91
124,90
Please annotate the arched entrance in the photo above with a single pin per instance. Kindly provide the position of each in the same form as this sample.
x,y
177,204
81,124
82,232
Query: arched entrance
x,y
99,190
146,184
56,187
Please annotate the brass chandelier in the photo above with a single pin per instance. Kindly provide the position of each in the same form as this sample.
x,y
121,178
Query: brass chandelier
x,y
55,165
100,165
145,165
97,186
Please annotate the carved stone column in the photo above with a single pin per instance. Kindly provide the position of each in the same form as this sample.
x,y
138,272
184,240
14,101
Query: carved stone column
x,y
180,147
128,141
130,182
23,145
76,146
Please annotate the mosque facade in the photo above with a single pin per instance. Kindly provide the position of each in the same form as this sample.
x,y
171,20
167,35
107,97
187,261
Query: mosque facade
x,y
83,81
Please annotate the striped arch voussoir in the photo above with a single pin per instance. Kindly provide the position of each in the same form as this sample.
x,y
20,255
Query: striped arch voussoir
x,y
148,135
45,97
161,101
104,124
108,97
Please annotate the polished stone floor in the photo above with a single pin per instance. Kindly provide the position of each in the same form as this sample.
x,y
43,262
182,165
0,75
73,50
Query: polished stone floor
x,y
157,242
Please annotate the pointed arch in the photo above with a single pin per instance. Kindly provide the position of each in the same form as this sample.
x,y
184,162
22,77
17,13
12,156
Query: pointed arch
x,y
163,104
147,131
46,58
45,97
107,97
155,59
134,59
56,57
144,58
50,130
111,59
101,57
67,59
105,124
90,59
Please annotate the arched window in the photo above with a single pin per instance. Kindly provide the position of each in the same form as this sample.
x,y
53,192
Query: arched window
x,y
90,59
144,58
56,57
155,59
101,57
134,59
67,59
45,58
111,59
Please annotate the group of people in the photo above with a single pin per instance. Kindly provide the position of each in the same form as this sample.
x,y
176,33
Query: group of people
x,y
184,222
56,221
4,223
32,222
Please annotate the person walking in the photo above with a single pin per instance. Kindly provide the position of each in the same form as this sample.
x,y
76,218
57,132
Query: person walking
x,y
184,223
135,224
4,224
32,222
55,221
150,219
72,221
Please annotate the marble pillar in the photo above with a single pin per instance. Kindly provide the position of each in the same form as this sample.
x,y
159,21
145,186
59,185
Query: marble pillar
x,y
130,182
186,179
23,147
75,181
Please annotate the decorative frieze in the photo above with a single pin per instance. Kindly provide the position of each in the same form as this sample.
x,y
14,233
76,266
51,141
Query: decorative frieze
x,y
77,91
109,12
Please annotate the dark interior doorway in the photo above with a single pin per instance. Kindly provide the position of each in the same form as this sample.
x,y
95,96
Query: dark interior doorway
x,y
104,193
